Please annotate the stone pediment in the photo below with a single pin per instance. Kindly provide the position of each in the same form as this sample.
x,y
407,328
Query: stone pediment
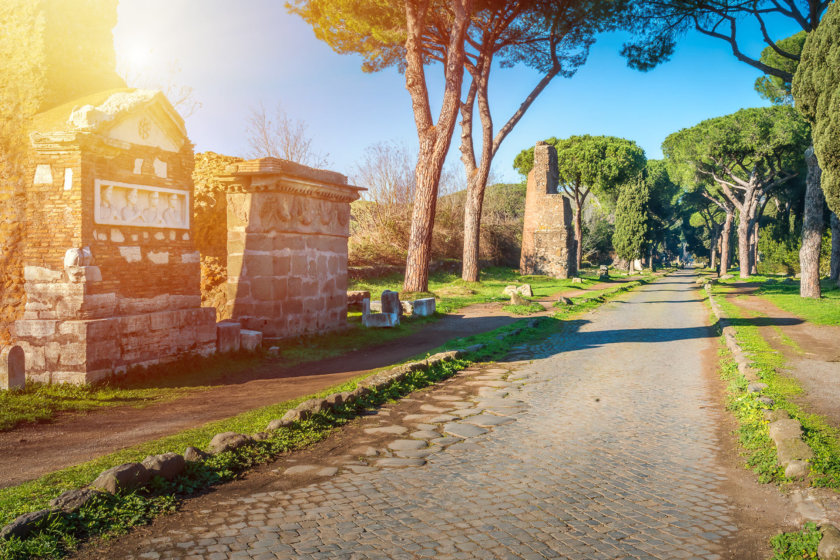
x,y
127,116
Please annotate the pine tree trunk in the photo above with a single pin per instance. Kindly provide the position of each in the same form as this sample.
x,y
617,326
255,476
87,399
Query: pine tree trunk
x,y
744,252
579,234
835,248
434,138
724,243
754,248
713,255
812,229
472,225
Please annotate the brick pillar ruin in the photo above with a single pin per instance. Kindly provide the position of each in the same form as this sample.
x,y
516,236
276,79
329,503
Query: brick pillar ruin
x,y
548,240
288,226
111,272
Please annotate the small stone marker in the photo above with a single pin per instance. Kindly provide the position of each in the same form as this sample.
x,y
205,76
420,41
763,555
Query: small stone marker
x,y
391,302
424,307
12,368
250,341
228,337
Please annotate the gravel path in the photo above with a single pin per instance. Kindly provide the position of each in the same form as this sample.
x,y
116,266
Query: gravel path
x,y
607,449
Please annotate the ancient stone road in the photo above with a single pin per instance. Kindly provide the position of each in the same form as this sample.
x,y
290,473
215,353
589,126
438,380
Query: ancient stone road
x,y
610,454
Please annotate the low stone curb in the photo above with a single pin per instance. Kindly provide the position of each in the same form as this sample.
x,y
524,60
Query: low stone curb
x,y
133,476
792,452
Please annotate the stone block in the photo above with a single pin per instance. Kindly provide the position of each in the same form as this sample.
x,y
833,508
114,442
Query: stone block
x,y
228,337
829,547
163,320
84,274
73,500
40,274
784,429
25,524
391,302
381,320
12,367
791,449
250,341
227,441
424,307
168,465
129,476
30,328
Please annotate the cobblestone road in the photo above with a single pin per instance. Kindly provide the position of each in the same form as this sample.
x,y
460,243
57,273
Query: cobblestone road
x,y
609,454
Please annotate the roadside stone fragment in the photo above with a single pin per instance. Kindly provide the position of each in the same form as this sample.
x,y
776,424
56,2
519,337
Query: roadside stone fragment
x,y
829,548
167,465
797,469
776,415
128,476
194,454
767,401
783,429
517,299
25,524
278,423
300,469
227,441
793,448
565,301
756,387
72,500
334,401
295,415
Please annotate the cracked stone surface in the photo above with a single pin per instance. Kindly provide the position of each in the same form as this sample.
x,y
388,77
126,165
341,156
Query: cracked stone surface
x,y
614,456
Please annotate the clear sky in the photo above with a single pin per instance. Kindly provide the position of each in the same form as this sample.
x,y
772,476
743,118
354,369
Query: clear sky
x,y
237,54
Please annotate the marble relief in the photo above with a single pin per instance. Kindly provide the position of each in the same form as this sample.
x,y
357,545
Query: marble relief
x,y
140,206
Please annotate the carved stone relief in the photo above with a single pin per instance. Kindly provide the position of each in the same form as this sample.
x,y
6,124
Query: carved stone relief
x,y
140,206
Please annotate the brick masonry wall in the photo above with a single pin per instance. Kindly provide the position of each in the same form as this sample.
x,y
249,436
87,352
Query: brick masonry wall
x,y
548,243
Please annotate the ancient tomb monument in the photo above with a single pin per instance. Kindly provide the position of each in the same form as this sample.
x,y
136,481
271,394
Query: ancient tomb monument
x,y
548,242
288,226
111,272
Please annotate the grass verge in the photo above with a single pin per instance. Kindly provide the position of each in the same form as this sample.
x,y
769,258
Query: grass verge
x,y
797,545
784,294
114,515
769,365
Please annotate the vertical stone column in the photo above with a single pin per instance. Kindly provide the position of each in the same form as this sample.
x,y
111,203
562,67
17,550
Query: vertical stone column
x,y
548,241
287,247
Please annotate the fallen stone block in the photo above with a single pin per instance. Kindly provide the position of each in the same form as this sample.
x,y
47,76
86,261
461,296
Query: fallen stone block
x,y
776,415
73,500
167,465
509,290
424,307
565,300
517,299
829,548
250,341
334,401
407,308
577,280
228,337
783,429
756,387
295,415
12,368
791,449
381,320
525,290
797,469
25,524
128,476
227,441
260,436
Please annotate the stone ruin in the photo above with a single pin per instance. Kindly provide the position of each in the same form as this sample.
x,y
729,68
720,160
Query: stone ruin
x,y
288,226
548,241
111,273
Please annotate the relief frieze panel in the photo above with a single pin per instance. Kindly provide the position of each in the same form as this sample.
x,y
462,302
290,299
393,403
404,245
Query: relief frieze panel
x,y
125,204
282,212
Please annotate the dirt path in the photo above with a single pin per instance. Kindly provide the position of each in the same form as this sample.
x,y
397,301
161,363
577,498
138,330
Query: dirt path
x,y
32,450
813,358
596,446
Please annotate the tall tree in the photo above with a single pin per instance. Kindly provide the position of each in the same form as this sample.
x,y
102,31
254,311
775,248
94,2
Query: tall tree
x,y
596,165
631,221
552,37
662,214
747,154
397,33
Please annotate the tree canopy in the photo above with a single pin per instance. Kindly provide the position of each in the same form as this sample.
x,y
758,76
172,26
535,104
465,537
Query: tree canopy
x,y
774,88
631,220
816,89
596,163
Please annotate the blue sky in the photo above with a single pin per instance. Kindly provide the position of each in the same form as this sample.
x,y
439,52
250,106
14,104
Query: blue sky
x,y
237,54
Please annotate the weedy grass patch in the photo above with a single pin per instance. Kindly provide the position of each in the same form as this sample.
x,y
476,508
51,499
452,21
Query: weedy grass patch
x,y
797,545
784,293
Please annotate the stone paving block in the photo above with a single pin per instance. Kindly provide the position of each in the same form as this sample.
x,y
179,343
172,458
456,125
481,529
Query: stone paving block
x,y
458,429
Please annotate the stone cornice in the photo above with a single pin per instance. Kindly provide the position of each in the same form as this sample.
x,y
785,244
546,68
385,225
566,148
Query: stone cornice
x,y
281,176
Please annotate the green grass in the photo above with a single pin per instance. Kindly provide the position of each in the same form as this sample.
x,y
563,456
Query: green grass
x,y
527,309
454,293
797,545
769,364
110,515
784,294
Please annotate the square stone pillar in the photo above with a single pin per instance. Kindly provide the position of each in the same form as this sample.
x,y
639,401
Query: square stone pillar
x,y
288,226
548,240
111,273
